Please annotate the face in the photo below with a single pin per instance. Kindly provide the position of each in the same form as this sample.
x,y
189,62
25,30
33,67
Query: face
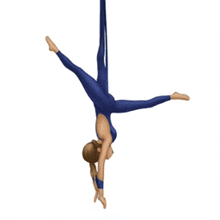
x,y
109,153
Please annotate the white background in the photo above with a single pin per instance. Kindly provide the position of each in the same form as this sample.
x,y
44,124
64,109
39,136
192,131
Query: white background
x,y
166,162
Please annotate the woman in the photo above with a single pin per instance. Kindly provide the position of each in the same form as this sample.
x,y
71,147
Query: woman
x,y
105,104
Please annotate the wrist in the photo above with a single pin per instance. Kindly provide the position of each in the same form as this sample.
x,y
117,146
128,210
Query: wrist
x,y
99,183
101,193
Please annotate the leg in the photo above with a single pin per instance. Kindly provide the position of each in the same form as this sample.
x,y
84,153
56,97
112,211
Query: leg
x,y
90,85
102,56
127,106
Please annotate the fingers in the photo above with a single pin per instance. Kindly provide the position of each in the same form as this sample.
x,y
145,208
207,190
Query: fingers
x,y
103,201
104,206
96,196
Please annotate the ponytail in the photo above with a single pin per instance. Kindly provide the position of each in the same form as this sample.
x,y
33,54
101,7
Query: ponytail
x,y
91,155
93,170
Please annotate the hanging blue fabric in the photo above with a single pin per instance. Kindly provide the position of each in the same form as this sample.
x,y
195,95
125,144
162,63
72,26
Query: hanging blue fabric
x,y
102,56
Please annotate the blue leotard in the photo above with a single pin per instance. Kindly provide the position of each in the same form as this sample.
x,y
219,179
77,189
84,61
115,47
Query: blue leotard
x,y
97,90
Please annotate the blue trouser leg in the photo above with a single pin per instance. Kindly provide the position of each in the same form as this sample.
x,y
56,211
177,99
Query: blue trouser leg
x,y
127,106
102,56
90,85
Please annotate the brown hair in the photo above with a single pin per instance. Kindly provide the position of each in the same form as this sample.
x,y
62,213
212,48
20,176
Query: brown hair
x,y
91,155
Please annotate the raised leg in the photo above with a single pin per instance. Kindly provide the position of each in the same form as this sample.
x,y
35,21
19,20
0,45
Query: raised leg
x,y
127,106
102,56
90,85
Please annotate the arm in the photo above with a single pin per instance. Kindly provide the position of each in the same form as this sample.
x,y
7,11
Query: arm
x,y
94,184
95,187
101,166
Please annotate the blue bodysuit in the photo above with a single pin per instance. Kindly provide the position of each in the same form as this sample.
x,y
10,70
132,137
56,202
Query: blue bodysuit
x,y
97,90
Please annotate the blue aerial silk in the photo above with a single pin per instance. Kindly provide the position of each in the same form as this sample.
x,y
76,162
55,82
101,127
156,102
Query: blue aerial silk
x,y
97,90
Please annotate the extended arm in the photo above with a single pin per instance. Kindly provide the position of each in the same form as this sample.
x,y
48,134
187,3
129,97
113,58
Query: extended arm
x,y
95,187
101,166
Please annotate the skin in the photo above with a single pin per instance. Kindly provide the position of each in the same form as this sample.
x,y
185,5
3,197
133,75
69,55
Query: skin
x,y
99,193
103,130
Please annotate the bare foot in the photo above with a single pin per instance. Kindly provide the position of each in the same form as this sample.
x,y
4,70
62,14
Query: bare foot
x,y
52,46
179,96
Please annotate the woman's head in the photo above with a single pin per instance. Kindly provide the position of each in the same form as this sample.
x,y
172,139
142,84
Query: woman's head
x,y
91,153
92,150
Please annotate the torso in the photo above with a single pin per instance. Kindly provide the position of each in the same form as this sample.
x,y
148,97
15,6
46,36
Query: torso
x,y
103,118
104,127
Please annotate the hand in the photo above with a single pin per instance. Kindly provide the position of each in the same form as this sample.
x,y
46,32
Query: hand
x,y
103,201
96,195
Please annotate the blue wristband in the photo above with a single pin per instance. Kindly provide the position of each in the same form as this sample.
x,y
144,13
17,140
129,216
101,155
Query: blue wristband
x,y
99,183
